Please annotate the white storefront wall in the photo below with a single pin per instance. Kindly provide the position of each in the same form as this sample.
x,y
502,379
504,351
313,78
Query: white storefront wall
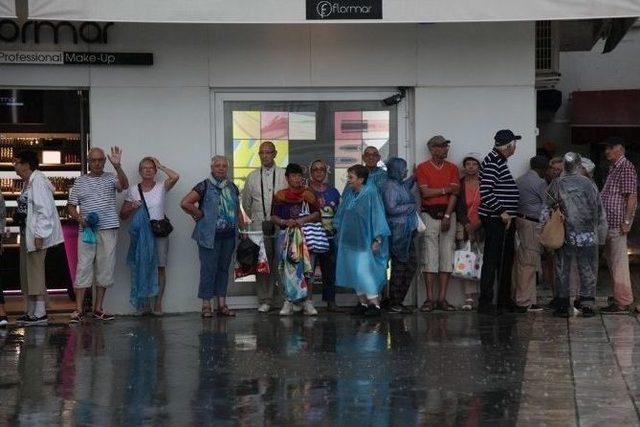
x,y
469,80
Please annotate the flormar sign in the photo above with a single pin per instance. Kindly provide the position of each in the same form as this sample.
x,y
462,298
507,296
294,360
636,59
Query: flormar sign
x,y
74,58
344,9
88,32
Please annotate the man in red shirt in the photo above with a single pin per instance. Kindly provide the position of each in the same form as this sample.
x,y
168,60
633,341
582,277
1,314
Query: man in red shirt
x,y
438,181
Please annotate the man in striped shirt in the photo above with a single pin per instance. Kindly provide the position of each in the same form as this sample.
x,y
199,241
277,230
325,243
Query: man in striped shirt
x,y
499,204
95,193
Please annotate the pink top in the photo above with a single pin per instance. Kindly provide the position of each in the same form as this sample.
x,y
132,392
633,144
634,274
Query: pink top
x,y
472,195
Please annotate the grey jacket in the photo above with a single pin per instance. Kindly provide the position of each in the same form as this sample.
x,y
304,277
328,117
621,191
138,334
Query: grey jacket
x,y
580,203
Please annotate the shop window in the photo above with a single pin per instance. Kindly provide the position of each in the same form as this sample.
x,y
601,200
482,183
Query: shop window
x,y
54,124
337,132
302,131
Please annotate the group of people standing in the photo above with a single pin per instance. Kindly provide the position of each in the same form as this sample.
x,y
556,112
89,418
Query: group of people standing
x,y
376,220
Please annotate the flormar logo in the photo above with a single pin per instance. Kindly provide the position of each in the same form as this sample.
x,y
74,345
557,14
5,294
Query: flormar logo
x,y
334,10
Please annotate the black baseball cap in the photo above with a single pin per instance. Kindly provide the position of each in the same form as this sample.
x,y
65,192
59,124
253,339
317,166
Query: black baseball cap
x,y
613,141
505,136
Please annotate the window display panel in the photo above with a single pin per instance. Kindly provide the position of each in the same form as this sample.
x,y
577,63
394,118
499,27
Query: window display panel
x,y
335,131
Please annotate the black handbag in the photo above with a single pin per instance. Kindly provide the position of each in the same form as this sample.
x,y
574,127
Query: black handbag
x,y
159,227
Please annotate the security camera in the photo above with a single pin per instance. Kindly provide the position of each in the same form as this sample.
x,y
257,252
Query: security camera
x,y
395,99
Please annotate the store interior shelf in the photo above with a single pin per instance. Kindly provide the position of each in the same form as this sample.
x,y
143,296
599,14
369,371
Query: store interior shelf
x,y
5,166
36,135
12,195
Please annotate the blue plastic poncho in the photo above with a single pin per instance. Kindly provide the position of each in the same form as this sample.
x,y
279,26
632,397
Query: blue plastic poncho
x,y
400,206
142,260
90,229
378,176
359,220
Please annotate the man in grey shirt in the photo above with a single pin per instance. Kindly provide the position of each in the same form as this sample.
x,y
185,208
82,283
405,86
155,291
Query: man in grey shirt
x,y
533,188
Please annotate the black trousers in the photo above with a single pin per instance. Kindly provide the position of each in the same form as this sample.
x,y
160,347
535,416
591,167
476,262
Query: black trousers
x,y
497,262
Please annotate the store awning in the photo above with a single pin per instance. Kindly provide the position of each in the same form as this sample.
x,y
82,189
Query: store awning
x,y
7,8
605,108
295,11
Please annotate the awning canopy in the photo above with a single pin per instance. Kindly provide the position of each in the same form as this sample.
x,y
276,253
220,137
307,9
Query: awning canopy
x,y
7,8
606,108
295,11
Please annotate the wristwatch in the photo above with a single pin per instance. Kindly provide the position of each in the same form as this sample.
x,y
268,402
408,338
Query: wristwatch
x,y
447,216
627,222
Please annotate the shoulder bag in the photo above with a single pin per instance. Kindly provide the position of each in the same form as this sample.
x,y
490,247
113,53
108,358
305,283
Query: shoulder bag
x,y
268,227
314,234
552,235
159,227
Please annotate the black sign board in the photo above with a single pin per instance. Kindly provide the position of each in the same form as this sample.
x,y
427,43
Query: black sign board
x,y
107,58
325,10
27,57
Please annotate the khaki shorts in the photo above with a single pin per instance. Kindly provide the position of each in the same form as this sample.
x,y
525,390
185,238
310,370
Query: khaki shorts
x,y
162,250
436,247
97,262
32,279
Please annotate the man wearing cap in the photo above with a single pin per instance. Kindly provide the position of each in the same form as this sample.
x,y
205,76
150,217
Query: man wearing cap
x,y
439,186
532,188
499,194
619,197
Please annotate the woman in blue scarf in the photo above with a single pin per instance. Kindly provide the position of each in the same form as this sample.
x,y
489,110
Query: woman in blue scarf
x,y
217,218
362,241
400,207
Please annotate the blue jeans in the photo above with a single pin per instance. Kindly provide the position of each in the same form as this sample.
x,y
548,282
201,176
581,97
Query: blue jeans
x,y
214,267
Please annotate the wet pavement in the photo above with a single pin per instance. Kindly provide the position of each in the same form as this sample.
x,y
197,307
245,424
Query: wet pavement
x,y
437,369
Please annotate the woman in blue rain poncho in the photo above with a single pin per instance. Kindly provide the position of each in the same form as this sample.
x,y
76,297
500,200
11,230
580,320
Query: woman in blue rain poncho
x,y
363,250
401,209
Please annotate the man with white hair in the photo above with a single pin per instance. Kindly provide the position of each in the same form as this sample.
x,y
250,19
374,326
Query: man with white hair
x,y
95,195
499,205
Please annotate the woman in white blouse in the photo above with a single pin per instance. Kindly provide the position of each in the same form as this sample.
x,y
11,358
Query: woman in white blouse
x,y
154,195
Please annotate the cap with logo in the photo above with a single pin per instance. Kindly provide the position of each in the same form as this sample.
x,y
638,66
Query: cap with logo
x,y
505,136
438,141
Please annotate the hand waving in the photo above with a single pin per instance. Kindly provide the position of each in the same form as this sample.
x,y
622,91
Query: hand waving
x,y
116,156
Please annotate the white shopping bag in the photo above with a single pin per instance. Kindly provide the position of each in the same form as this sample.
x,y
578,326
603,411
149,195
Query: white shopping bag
x,y
479,258
465,263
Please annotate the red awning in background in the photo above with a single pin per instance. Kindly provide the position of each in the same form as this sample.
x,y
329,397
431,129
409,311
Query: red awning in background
x,y
606,108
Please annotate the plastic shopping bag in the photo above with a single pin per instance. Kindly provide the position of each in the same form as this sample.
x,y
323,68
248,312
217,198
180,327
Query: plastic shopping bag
x,y
262,266
465,263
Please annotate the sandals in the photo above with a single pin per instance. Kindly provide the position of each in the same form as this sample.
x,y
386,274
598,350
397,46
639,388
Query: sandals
x,y
468,304
445,306
225,312
206,312
428,306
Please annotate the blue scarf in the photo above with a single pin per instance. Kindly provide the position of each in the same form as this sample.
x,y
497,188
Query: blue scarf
x,y
228,204
142,260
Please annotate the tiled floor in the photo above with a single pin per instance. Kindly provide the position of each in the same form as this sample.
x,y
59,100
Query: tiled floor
x,y
439,369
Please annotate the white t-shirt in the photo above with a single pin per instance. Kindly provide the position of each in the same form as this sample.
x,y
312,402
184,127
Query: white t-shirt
x,y
155,199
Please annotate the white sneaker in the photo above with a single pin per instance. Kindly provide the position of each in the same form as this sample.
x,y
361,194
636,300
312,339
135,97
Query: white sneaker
x,y
264,308
309,309
287,309
297,308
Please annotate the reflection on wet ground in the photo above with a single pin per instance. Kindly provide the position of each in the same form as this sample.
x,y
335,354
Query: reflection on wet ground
x,y
441,369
